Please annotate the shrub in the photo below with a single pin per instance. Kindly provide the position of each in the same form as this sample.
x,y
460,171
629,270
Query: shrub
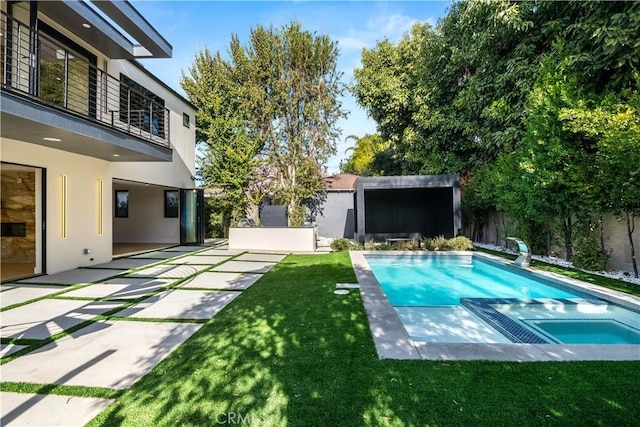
x,y
384,247
589,255
357,246
341,244
460,243
409,245
436,244
370,245
440,243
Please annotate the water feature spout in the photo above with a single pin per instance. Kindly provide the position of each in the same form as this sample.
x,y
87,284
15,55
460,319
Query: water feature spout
x,y
524,259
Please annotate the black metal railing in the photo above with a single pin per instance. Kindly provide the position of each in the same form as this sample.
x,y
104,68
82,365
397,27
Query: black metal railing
x,y
55,74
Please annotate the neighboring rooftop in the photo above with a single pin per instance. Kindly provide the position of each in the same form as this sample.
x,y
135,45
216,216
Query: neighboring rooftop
x,y
341,181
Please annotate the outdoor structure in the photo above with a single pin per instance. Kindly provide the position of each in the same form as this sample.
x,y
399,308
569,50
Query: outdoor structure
x,y
96,151
336,218
407,207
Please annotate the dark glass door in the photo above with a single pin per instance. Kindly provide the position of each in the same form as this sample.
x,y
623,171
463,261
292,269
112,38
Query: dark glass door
x,y
191,216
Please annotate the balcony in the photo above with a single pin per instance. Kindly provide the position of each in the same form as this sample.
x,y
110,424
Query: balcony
x,y
55,88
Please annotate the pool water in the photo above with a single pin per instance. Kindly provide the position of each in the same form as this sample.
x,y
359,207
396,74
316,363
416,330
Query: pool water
x,y
443,280
588,332
502,303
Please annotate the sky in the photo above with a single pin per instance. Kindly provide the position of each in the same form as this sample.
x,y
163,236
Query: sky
x,y
189,26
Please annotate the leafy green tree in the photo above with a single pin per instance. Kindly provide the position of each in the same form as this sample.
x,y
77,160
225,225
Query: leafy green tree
x,y
364,154
274,104
614,121
228,145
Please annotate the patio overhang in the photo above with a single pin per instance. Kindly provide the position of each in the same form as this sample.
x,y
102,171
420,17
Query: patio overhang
x,y
76,16
25,120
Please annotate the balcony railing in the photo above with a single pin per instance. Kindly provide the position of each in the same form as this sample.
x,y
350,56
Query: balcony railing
x,y
56,75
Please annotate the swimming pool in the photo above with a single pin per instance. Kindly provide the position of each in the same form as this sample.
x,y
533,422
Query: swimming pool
x,y
468,298
423,280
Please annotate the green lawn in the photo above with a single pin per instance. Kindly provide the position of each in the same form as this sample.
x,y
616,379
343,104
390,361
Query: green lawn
x,y
290,352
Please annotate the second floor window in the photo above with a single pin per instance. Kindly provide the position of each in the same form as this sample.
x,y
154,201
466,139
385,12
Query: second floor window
x,y
141,108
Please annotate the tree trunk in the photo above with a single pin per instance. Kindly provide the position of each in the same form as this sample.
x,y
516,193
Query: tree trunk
x,y
548,233
568,238
631,226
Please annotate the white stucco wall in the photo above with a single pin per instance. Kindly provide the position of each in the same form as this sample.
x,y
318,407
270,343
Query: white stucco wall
x,y
82,174
273,239
178,172
146,221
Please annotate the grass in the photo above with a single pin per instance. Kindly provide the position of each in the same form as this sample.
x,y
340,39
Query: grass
x,y
595,279
287,351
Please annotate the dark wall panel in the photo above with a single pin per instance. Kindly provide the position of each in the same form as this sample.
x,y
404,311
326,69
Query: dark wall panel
x,y
428,211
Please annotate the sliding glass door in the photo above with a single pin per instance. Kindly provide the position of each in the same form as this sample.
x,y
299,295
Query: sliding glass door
x,y
191,216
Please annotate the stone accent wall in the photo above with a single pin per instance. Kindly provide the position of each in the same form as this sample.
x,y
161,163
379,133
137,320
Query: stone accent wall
x,y
19,205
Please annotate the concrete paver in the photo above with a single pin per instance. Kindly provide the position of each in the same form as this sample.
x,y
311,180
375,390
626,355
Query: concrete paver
x,y
112,354
8,349
156,255
219,252
477,351
14,293
261,257
126,263
184,249
199,259
169,271
121,288
244,267
181,304
20,409
45,318
221,280
73,277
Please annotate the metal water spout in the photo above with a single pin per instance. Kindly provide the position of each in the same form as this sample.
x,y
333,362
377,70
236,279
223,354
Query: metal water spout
x,y
524,259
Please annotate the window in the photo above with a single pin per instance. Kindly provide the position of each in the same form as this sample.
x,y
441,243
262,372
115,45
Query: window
x,y
141,108
171,203
186,120
122,203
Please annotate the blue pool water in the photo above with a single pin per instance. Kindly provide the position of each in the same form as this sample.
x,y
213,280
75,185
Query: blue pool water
x,y
591,332
443,280
426,290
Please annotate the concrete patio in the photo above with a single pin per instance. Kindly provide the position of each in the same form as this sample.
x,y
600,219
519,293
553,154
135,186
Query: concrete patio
x,y
115,351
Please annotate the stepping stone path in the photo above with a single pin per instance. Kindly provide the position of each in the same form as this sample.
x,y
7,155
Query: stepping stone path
x,y
187,283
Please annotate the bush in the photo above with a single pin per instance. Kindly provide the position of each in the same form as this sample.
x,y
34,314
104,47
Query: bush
x,y
357,246
440,243
460,243
436,244
589,255
341,244
370,245
409,245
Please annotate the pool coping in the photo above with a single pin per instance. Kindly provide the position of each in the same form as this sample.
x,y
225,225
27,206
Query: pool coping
x,y
393,342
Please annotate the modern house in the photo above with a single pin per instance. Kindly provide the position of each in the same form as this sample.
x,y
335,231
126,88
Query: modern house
x,y
98,155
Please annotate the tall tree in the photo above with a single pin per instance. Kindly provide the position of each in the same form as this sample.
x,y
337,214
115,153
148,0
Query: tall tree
x,y
274,102
302,102
229,147
613,120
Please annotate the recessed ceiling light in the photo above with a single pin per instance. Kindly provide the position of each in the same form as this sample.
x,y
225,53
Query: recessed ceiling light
x,y
46,138
86,25
116,155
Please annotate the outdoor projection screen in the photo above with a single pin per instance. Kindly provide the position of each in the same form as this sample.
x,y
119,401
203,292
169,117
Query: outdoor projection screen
x,y
409,210
413,206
